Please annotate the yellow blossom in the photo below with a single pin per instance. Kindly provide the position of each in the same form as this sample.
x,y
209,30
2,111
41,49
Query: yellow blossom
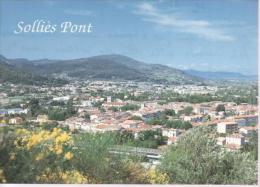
x,y
2,176
12,156
156,177
39,157
68,156
59,151
67,177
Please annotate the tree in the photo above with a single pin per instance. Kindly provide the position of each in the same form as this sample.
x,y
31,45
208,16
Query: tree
x,y
170,112
220,108
130,107
87,116
138,118
188,110
178,124
252,145
197,159
113,108
34,107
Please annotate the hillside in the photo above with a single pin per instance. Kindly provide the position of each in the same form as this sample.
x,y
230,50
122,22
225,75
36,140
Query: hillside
x,y
12,74
106,67
220,75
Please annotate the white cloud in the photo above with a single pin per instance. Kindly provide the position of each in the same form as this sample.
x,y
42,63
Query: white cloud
x,y
200,28
78,12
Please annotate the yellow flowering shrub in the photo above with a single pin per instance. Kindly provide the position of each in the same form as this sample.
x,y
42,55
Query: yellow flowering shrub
x,y
12,156
68,156
65,177
43,147
156,177
54,141
2,176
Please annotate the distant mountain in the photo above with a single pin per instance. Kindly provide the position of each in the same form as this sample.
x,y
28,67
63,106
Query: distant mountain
x,y
220,75
106,67
12,74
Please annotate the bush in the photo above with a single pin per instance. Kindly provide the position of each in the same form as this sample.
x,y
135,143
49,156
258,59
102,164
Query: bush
x,y
197,159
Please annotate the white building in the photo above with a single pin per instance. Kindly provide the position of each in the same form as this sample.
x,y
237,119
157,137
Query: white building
x,y
235,141
109,99
227,127
170,132
16,120
247,130
65,98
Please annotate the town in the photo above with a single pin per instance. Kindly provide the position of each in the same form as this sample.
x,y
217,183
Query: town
x,y
132,107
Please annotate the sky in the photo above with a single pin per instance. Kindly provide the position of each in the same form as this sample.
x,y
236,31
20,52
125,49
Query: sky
x,y
212,35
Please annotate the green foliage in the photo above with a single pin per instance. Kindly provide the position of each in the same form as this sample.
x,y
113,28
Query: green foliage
x,y
197,159
138,118
159,119
252,145
34,107
130,107
113,108
59,114
57,103
87,116
102,109
93,154
178,124
220,108
206,118
9,73
170,112
97,104
187,111
147,139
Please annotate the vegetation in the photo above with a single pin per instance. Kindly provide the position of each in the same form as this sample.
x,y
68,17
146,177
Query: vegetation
x,y
178,124
56,156
187,111
252,146
129,107
220,108
147,139
137,118
169,112
48,154
197,159
113,108
9,73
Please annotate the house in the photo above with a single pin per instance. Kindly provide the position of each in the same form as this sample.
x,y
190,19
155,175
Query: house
x,y
131,124
193,118
77,123
246,120
136,129
42,119
16,120
170,132
247,130
201,110
172,140
107,128
221,141
235,141
64,98
13,111
227,127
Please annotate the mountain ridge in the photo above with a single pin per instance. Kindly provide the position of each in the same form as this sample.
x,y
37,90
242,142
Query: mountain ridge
x,y
112,67
220,75
12,74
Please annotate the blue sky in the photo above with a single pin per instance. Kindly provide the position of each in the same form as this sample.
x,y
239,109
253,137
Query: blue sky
x,y
212,35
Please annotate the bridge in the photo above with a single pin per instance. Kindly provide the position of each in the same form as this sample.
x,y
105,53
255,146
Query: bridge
x,y
151,154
